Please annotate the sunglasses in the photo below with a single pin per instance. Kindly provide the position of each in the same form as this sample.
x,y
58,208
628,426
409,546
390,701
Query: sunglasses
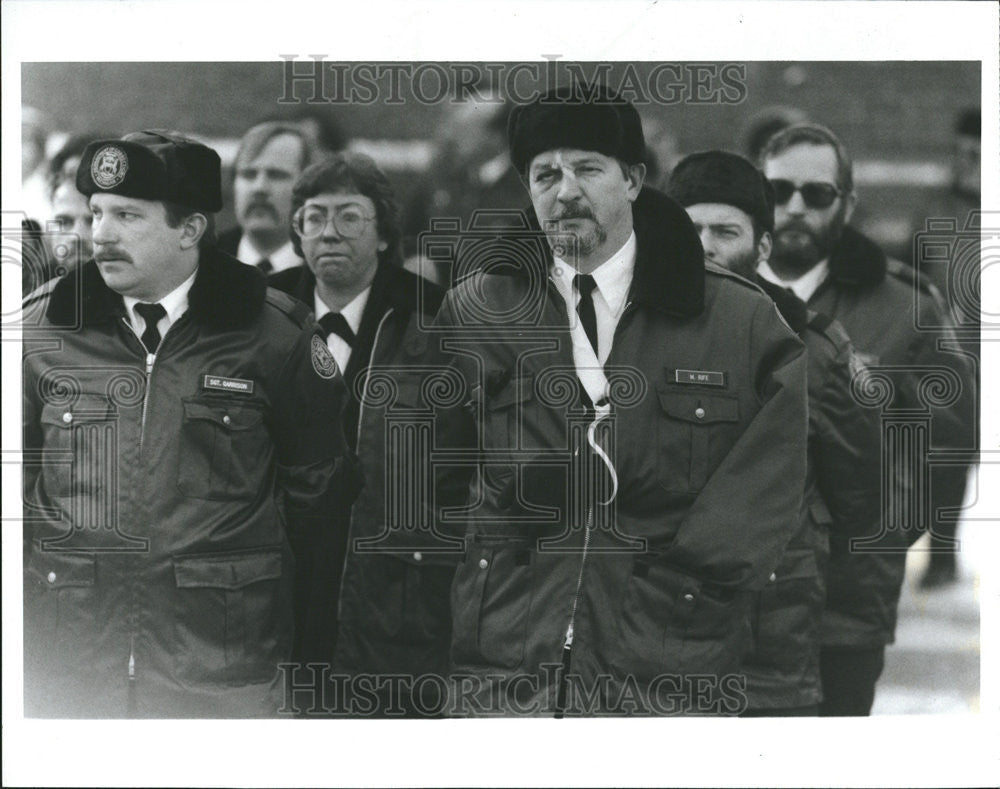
x,y
815,194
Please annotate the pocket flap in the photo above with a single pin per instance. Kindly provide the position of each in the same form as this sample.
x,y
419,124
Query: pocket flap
x,y
59,570
226,414
699,408
86,408
227,570
516,390
799,563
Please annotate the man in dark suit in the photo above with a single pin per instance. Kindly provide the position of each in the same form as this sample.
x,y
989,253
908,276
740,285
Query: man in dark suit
x,y
390,616
271,156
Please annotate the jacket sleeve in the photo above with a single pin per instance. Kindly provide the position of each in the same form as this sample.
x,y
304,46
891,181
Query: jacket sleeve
x,y
456,427
316,470
846,443
737,528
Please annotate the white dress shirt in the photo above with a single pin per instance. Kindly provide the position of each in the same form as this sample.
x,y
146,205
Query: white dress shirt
x,y
613,279
352,313
175,303
803,287
282,258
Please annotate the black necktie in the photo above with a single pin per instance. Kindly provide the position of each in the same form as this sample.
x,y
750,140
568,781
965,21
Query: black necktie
x,y
265,265
335,323
151,315
585,284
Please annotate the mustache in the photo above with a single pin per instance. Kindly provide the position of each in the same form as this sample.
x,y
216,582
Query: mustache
x,y
574,212
111,253
263,205
796,225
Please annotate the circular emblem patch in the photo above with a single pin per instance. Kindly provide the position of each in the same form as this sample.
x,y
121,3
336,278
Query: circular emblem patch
x,y
323,362
109,166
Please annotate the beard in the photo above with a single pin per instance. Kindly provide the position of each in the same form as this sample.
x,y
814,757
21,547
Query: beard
x,y
587,237
798,247
743,263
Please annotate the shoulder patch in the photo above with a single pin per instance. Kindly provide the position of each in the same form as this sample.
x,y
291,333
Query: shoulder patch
x,y
322,360
292,307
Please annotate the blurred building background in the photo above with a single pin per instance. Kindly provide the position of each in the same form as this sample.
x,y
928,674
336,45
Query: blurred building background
x,y
896,118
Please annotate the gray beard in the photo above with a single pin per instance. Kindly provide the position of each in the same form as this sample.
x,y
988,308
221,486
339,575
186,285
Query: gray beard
x,y
586,243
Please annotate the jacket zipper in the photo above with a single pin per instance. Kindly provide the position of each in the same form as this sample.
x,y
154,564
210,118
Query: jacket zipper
x,y
588,521
150,360
357,443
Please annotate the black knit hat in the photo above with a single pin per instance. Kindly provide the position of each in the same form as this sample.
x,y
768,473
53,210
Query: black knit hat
x,y
153,165
586,117
723,177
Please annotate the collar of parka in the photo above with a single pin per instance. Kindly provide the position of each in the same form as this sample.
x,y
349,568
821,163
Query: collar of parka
x,y
856,260
225,294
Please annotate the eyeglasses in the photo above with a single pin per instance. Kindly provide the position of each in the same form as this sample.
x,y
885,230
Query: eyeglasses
x,y
348,220
815,194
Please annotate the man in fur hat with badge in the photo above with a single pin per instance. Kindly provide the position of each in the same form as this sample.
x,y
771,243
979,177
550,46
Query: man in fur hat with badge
x,y
643,424
185,422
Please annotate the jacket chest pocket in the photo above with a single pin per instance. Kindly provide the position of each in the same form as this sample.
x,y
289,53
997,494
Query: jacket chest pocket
x,y
225,450
694,432
81,447
232,615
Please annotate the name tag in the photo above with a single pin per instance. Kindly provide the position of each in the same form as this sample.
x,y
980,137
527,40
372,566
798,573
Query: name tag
x,y
239,385
701,377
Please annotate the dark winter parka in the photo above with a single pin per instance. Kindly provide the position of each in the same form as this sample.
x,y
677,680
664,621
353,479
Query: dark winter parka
x,y
842,498
918,375
157,562
642,567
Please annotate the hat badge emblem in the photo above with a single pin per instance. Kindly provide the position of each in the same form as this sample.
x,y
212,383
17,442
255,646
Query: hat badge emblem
x,y
108,167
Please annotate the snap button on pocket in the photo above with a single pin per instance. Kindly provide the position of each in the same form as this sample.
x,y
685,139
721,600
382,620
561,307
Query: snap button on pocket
x,y
67,417
483,564
226,419
773,578
51,577
699,412
418,556
689,597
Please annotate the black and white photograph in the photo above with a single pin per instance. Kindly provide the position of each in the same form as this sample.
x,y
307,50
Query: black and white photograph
x,y
433,396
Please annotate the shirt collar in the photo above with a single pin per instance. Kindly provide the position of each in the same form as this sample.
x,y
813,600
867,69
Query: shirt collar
x,y
175,302
613,276
803,287
282,258
352,311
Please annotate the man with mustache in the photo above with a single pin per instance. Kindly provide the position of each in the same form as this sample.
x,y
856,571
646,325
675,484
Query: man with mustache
x,y
270,157
642,420
842,274
187,423
732,207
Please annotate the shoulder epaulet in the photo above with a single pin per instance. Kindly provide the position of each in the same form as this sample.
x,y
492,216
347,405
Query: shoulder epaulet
x,y
909,275
831,329
915,279
715,268
292,307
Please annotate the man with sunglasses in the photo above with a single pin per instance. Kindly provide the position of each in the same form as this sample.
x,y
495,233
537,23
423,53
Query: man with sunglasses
x,y
732,207
842,274
388,601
